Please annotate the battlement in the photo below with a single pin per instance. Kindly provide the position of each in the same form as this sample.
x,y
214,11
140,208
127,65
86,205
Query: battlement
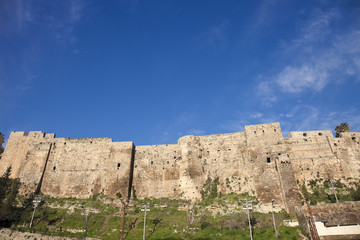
x,y
33,134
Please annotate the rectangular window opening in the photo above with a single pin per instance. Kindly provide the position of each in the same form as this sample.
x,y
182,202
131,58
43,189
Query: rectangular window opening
x,y
268,160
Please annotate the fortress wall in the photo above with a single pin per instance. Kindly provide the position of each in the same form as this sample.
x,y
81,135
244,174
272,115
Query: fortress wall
x,y
83,167
258,161
157,171
16,151
347,148
265,143
289,187
263,134
320,133
33,166
192,177
223,156
312,156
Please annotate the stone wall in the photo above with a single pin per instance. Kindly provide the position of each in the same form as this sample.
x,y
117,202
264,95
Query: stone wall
x,y
74,167
258,161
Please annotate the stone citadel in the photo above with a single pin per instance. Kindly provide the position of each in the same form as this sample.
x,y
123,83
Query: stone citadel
x,y
258,161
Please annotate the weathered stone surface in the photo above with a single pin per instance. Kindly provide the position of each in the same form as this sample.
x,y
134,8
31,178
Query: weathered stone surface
x,y
258,161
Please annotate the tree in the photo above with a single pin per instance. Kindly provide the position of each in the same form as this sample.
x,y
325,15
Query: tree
x,y
343,127
9,188
5,184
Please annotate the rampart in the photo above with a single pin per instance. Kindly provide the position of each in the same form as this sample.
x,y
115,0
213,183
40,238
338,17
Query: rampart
x,y
258,161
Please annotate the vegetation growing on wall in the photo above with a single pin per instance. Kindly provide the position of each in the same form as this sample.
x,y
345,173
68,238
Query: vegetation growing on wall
x,y
343,127
320,191
209,189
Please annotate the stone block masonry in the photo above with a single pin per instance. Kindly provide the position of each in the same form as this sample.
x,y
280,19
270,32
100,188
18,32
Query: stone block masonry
x,y
258,161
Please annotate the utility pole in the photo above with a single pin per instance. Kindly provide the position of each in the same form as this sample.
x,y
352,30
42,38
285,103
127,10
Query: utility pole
x,y
276,232
247,206
36,202
86,222
333,188
123,220
145,208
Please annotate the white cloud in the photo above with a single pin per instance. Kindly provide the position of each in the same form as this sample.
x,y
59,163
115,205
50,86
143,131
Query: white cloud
x,y
314,60
315,30
266,92
296,79
307,117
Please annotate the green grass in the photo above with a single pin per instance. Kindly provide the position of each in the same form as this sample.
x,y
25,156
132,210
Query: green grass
x,y
164,221
318,191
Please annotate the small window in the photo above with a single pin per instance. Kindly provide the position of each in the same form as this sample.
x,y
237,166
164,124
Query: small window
x,y
255,132
274,130
335,144
152,162
353,138
54,168
64,143
118,165
90,141
304,134
263,131
268,160
320,134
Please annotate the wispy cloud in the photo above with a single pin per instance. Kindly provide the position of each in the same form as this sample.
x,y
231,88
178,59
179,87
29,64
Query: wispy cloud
x,y
60,21
263,14
216,36
315,30
295,79
298,118
312,61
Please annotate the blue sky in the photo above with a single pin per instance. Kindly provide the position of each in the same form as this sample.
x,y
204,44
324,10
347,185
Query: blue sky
x,y
153,71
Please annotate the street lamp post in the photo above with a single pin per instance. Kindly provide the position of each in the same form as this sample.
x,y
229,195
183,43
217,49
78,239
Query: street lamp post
x,y
145,208
247,206
86,222
333,188
36,202
123,220
276,232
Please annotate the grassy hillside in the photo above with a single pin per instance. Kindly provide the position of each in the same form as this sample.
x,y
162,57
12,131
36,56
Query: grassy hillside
x,y
213,218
